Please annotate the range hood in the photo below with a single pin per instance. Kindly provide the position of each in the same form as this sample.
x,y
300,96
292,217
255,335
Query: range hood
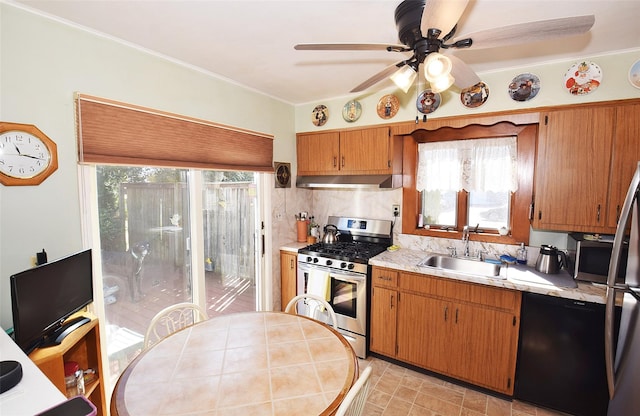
x,y
350,181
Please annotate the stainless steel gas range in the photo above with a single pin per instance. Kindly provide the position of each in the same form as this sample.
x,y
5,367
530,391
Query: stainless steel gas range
x,y
346,261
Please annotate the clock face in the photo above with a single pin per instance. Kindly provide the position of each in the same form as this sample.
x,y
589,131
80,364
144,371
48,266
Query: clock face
x,y
23,155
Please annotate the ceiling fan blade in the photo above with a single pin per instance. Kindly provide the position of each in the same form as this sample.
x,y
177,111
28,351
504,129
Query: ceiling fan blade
x,y
464,76
442,14
530,32
385,73
350,47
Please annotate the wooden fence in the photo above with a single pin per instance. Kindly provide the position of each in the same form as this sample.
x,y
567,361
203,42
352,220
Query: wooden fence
x,y
157,214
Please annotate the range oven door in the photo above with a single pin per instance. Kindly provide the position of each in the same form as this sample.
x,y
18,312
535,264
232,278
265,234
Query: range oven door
x,y
348,297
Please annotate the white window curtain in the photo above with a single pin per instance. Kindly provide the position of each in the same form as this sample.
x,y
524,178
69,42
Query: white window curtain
x,y
478,165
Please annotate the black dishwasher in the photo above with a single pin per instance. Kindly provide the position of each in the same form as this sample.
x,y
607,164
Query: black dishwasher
x,y
561,355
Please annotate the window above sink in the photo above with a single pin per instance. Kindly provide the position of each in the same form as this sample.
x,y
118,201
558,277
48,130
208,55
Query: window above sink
x,y
506,221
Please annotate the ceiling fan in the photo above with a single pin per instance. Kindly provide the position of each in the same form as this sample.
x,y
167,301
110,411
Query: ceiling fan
x,y
427,26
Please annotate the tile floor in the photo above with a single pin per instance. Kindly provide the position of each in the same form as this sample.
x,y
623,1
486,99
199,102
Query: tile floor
x,y
397,391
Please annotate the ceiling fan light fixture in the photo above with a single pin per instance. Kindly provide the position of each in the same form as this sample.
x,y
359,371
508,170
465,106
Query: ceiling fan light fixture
x,y
404,77
442,83
436,66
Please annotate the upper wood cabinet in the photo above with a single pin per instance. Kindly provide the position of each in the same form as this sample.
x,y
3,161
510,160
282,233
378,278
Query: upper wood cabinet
x,y
364,151
626,154
572,169
318,153
586,159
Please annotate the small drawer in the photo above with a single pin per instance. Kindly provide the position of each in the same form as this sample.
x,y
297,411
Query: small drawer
x,y
384,277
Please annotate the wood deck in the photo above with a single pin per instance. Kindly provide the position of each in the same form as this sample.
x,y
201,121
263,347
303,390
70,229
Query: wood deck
x,y
235,295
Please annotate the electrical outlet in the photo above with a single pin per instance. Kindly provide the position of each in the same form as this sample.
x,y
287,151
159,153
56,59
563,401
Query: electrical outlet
x,y
396,210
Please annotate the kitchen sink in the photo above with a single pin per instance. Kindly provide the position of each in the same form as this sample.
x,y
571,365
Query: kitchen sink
x,y
461,265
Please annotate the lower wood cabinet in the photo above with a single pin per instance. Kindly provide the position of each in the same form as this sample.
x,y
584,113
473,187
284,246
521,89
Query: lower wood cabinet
x,y
384,307
383,321
288,276
462,330
423,332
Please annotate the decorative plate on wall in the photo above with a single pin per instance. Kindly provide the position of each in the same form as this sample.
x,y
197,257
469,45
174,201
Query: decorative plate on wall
x,y
428,101
388,106
524,87
634,74
320,115
475,96
582,78
351,111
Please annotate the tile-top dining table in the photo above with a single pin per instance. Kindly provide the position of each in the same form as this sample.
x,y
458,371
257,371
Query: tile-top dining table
x,y
254,363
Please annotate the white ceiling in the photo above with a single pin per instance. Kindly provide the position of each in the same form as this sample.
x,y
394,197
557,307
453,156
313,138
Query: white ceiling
x,y
251,41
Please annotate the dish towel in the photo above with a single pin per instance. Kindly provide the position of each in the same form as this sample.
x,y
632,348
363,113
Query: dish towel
x,y
319,284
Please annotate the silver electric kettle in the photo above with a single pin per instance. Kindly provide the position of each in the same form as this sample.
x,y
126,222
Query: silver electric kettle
x,y
550,260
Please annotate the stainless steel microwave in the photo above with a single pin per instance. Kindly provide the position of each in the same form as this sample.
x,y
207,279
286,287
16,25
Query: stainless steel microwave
x,y
589,257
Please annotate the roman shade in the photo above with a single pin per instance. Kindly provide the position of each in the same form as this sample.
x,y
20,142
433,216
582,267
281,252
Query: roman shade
x,y
111,132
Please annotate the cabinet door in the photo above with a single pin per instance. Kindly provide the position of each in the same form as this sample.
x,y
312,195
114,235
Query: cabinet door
x,y
365,151
318,153
572,169
626,154
384,303
423,331
288,275
483,347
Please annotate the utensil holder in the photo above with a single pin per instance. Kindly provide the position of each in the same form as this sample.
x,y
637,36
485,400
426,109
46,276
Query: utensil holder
x,y
302,230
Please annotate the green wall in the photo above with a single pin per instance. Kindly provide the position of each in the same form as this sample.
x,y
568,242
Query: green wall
x,y
43,63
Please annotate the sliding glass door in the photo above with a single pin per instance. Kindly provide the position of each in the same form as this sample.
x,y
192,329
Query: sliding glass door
x,y
230,233
168,236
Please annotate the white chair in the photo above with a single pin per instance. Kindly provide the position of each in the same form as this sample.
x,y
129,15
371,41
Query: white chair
x,y
353,402
316,306
172,319
122,343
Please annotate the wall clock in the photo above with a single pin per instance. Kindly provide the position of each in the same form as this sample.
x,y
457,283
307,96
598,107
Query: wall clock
x,y
27,155
282,174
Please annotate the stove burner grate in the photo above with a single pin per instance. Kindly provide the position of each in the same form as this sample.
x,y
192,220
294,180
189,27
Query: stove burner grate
x,y
349,251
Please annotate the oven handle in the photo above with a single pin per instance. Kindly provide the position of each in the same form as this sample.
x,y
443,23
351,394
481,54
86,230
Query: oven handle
x,y
336,275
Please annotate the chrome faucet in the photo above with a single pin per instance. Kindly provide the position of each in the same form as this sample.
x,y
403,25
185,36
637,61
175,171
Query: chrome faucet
x,y
465,241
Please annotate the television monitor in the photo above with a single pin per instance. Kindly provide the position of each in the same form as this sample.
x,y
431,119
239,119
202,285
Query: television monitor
x,y
43,297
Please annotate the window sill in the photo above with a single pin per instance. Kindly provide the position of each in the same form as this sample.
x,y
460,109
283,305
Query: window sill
x,y
456,235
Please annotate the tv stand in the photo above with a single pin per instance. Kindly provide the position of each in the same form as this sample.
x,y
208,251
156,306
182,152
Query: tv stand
x,y
65,329
80,343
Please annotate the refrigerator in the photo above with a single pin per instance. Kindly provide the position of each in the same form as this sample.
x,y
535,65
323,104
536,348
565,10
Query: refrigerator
x,y
622,358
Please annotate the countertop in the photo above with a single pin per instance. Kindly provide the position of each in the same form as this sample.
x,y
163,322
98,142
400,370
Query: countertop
x,y
293,246
517,277
34,393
